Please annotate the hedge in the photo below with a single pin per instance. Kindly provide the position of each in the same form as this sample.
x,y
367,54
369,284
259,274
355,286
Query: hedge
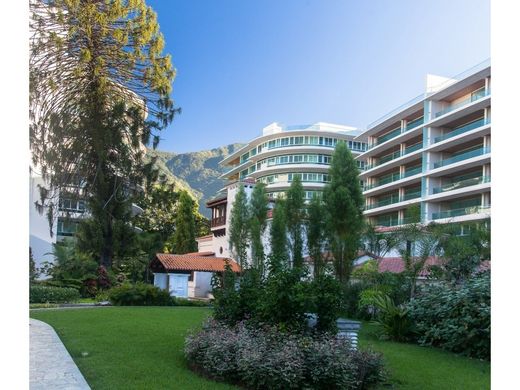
x,y
48,294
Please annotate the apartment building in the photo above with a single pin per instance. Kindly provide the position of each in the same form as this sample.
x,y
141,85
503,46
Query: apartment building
x,y
283,153
435,152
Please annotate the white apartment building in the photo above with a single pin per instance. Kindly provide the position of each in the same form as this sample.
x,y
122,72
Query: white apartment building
x,y
275,158
434,151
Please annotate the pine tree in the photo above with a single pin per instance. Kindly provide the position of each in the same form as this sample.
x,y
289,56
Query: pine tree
x,y
316,233
99,89
294,213
343,201
258,212
184,236
239,227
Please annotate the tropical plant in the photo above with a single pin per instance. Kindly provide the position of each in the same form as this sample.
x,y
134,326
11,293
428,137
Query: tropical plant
x,y
394,321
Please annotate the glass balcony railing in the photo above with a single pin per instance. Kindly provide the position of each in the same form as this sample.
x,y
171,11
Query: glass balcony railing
x,y
393,177
413,148
460,212
411,195
477,95
461,184
393,156
461,157
413,124
462,129
386,137
392,200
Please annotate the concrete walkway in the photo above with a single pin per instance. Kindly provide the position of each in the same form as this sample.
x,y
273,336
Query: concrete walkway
x,y
50,365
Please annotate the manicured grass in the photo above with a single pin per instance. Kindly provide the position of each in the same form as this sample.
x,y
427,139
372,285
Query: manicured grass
x,y
130,347
142,348
421,368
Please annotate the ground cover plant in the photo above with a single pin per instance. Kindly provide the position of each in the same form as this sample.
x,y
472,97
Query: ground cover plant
x,y
143,349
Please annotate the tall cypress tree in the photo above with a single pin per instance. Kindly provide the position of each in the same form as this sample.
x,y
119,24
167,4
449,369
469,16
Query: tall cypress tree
x,y
316,233
184,236
239,227
258,212
343,201
99,88
294,213
278,236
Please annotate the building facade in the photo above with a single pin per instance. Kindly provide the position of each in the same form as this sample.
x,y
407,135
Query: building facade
x,y
434,152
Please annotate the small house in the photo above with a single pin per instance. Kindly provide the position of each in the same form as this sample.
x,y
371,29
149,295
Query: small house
x,y
188,275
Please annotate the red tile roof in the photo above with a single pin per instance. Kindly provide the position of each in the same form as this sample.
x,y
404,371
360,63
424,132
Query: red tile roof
x,y
207,253
192,262
396,265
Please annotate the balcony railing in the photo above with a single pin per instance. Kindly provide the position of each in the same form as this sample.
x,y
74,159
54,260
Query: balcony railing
x,y
477,95
462,129
393,200
393,177
460,212
413,124
461,184
462,156
219,221
395,155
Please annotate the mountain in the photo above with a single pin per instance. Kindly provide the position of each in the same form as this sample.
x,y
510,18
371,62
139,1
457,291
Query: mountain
x,y
196,172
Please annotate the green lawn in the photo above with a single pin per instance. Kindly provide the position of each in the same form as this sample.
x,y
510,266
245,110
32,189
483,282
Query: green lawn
x,y
142,348
414,367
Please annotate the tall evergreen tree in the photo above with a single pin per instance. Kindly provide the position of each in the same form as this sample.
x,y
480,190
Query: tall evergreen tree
x,y
316,233
99,88
294,214
239,227
184,236
343,201
258,212
278,236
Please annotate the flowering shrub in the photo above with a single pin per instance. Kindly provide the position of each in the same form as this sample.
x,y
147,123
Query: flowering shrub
x,y
455,317
266,358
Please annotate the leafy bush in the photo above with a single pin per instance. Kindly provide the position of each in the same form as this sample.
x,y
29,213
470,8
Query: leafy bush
x,y
266,358
49,294
326,293
139,294
455,317
190,302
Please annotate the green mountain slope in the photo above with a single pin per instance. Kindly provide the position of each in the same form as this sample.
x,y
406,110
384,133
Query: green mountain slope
x,y
196,172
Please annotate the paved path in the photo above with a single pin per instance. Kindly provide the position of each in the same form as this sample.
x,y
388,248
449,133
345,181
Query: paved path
x,y
50,365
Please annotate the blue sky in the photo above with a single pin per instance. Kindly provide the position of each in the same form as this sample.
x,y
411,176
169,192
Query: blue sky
x,y
242,64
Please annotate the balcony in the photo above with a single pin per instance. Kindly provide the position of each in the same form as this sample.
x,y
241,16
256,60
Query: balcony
x,y
388,136
460,212
395,155
218,221
413,124
393,177
461,184
393,200
461,157
477,95
462,129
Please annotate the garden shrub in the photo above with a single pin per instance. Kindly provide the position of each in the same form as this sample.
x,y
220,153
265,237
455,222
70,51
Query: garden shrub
x,y
394,321
326,295
455,317
139,294
50,294
190,302
263,357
